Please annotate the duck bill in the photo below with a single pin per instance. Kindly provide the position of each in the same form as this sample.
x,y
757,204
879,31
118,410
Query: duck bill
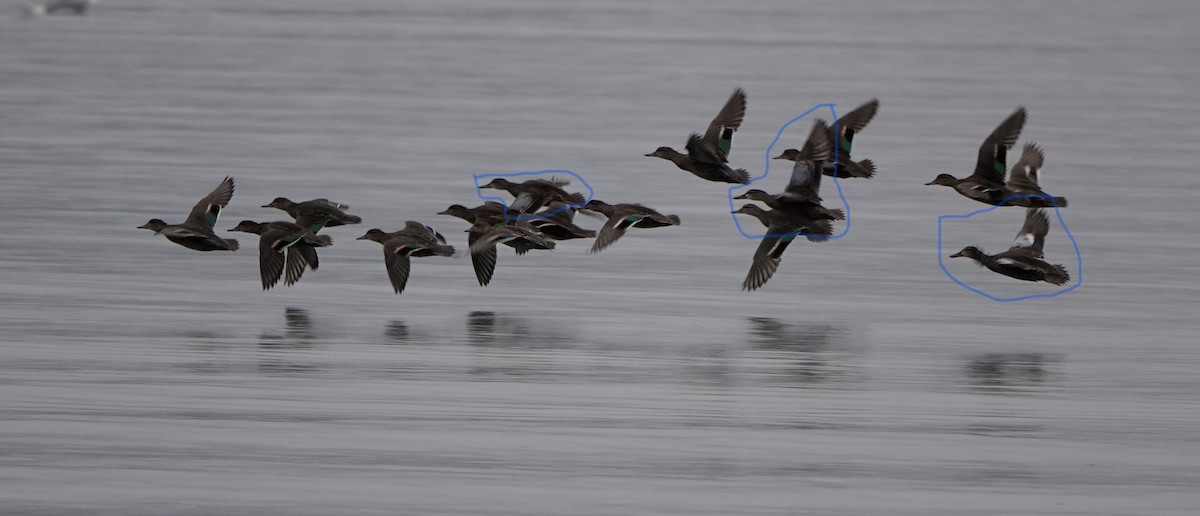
x,y
743,196
934,182
778,157
267,206
651,155
364,237
957,255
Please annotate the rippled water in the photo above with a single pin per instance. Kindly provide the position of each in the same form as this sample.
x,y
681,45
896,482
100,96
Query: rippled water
x,y
139,377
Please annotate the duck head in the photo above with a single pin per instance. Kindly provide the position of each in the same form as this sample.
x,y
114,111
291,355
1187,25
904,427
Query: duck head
x,y
754,195
155,225
457,210
374,234
248,226
663,152
282,203
498,184
596,206
750,209
969,252
790,155
944,180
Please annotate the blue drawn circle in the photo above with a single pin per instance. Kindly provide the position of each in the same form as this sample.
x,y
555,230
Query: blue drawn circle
x,y
767,169
1078,256
532,216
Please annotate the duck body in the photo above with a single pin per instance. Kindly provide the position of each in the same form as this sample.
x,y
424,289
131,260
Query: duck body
x,y
557,222
315,214
530,196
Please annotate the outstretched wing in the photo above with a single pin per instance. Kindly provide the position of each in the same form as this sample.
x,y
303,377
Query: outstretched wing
x,y
852,123
729,119
482,260
769,253
397,263
991,165
295,263
806,172
1032,236
612,230
1024,175
209,208
270,261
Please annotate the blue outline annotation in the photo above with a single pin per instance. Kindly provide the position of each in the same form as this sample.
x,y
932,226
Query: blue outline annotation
x,y
532,216
767,169
1078,256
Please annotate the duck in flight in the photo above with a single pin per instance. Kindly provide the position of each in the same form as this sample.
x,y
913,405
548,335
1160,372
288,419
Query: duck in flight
x,y
316,214
708,155
415,240
986,184
1023,189
801,196
196,232
1024,260
621,217
848,125
280,238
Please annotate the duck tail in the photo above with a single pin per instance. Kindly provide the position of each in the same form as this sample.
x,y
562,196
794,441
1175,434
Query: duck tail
x,y
445,250
819,231
232,243
351,219
1057,275
741,176
836,213
320,240
674,219
864,169
576,199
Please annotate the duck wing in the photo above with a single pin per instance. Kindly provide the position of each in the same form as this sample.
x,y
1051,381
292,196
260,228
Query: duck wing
x,y
852,123
206,212
397,262
991,165
270,258
1032,236
768,255
614,229
805,183
483,259
1023,178
729,119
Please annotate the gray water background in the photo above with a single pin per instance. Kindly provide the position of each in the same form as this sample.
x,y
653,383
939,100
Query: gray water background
x,y
139,377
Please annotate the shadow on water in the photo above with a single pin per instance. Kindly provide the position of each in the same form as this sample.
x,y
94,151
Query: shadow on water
x,y
274,359
1011,372
510,331
397,331
801,354
508,346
